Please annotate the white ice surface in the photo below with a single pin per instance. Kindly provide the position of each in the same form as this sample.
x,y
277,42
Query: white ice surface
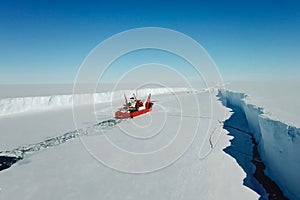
x,y
68,171
279,99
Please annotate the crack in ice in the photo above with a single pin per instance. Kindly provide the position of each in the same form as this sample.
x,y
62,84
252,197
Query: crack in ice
x,y
8,158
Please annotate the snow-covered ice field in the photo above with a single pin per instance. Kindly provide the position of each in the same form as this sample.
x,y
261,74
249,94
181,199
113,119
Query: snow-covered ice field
x,y
196,167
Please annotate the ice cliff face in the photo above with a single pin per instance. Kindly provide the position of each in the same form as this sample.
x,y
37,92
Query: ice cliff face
x,y
278,143
40,103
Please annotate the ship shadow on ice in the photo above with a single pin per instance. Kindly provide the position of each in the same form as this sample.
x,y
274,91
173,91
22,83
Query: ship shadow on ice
x,y
243,148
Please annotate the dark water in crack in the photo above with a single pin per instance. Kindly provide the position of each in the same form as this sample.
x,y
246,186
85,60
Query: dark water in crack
x,y
7,161
244,149
8,158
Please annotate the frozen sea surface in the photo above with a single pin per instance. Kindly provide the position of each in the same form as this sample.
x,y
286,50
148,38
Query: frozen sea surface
x,y
70,171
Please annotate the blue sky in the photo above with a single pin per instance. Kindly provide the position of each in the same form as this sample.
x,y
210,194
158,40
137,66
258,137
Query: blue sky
x,y
46,41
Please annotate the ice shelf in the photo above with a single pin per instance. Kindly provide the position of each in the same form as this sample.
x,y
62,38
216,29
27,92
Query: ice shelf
x,y
278,143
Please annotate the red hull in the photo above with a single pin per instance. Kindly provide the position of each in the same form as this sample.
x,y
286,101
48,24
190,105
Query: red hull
x,y
123,115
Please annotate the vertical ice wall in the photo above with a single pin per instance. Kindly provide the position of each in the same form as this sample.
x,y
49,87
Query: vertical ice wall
x,y
39,103
279,144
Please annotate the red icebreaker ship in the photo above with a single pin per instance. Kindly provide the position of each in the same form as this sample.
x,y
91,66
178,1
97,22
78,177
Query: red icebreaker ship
x,y
134,107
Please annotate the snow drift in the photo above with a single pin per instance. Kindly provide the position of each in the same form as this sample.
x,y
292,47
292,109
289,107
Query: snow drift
x,y
278,143
40,103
